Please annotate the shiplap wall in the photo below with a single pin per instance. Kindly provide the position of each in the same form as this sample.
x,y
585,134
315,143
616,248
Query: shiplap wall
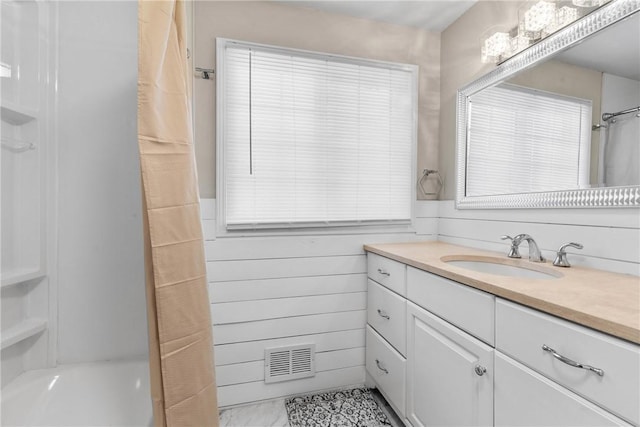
x,y
611,236
285,290
272,291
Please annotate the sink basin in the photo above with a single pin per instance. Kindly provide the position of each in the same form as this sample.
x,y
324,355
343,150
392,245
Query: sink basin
x,y
502,267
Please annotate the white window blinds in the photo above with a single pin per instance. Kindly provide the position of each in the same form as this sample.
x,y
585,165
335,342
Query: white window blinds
x,y
522,140
311,140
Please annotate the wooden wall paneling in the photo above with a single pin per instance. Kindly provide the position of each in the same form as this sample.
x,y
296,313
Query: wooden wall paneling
x,y
222,271
286,287
289,326
277,308
249,351
254,371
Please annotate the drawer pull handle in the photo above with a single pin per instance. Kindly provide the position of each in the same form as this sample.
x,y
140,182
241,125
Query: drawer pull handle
x,y
571,362
380,367
480,370
383,314
383,272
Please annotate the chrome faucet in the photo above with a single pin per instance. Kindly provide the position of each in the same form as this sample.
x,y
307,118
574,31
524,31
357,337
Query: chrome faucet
x,y
513,250
534,251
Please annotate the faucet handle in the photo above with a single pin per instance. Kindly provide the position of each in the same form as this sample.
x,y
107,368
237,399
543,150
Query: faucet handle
x,y
573,245
561,257
513,251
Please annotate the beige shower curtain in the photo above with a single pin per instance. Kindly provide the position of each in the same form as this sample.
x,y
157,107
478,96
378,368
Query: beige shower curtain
x,y
180,342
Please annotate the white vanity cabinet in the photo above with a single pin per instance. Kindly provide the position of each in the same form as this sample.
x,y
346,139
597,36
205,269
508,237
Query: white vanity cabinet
x,y
468,357
447,375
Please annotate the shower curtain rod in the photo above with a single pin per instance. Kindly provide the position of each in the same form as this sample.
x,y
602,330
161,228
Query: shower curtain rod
x,y
609,116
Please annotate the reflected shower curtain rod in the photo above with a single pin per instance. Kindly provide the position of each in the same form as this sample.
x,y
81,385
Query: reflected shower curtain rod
x,y
609,116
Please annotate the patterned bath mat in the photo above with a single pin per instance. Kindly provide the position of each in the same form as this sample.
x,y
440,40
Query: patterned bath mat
x,y
343,408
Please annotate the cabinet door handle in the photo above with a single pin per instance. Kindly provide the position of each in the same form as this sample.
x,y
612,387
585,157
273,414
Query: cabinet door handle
x,y
383,314
384,272
380,367
572,362
480,370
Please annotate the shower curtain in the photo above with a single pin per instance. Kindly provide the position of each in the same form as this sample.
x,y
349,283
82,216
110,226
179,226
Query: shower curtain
x,y
622,158
180,341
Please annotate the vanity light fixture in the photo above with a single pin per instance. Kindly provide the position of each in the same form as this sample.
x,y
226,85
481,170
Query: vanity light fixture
x,y
539,16
495,46
564,16
536,21
519,41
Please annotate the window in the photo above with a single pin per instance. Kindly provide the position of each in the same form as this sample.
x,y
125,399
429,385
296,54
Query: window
x,y
307,139
542,123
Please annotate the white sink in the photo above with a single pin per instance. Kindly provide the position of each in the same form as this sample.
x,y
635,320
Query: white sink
x,y
502,267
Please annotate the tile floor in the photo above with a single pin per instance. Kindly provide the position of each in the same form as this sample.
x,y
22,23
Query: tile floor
x,y
272,413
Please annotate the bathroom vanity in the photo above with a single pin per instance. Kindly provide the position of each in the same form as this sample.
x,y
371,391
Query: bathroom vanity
x,y
449,345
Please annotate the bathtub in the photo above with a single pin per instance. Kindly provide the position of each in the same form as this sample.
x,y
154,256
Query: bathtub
x,y
88,394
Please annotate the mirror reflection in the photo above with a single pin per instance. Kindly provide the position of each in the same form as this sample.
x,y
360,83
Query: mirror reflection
x,y
571,122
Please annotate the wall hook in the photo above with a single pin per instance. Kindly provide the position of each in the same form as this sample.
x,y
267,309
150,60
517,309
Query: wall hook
x,y
205,72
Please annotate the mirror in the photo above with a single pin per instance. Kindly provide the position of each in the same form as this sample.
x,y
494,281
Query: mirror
x,y
557,125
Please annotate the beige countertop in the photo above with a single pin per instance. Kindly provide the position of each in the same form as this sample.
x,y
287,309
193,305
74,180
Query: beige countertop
x,y
605,301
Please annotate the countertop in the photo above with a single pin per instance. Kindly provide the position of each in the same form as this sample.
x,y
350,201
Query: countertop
x,y
601,300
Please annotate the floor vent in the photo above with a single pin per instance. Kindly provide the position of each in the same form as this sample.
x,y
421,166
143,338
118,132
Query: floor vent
x,y
289,363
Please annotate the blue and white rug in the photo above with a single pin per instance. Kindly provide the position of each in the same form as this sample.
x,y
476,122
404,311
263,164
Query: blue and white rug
x,y
344,408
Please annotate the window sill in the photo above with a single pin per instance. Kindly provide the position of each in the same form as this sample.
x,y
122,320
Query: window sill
x,y
222,232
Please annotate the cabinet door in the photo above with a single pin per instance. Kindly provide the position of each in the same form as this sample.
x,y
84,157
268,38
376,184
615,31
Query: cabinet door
x,y
449,373
525,398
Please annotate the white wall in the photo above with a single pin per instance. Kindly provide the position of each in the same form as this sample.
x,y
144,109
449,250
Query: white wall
x,y
291,289
270,291
101,299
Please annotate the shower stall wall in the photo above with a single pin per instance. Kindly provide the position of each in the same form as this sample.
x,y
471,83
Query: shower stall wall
x,y
27,266
72,268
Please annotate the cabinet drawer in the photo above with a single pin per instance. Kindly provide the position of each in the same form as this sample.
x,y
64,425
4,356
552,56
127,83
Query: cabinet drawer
x,y
387,367
525,398
386,313
467,308
521,333
387,272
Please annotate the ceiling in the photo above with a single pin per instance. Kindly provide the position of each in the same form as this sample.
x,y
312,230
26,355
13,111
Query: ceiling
x,y
432,15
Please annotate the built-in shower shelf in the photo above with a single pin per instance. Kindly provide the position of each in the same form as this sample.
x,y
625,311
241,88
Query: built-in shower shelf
x,y
17,115
22,331
18,276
